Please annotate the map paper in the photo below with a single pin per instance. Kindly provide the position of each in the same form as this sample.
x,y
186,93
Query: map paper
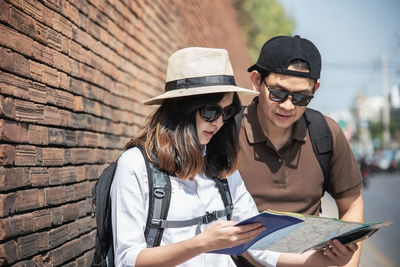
x,y
296,233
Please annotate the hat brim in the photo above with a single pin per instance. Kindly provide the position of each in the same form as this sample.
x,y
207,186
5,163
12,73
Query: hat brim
x,y
242,92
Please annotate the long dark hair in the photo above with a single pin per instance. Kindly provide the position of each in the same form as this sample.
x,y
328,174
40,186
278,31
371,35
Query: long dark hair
x,y
171,143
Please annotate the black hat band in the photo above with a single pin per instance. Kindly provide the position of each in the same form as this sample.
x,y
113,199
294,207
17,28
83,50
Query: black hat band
x,y
213,80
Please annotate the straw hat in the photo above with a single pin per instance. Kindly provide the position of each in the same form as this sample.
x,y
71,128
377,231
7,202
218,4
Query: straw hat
x,y
199,70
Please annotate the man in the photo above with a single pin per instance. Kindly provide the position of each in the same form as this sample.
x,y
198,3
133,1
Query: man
x,y
279,166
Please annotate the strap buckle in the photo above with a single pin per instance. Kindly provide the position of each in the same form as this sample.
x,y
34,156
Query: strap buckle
x,y
209,217
156,223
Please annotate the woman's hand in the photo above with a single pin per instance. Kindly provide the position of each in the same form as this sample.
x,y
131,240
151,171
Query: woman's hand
x,y
338,253
224,234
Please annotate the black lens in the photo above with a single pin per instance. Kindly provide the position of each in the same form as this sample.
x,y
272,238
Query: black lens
x,y
211,112
277,96
301,100
228,112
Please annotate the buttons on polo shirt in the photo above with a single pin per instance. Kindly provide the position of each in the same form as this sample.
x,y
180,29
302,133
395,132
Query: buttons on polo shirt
x,y
280,160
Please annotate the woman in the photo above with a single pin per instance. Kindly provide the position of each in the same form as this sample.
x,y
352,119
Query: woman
x,y
193,137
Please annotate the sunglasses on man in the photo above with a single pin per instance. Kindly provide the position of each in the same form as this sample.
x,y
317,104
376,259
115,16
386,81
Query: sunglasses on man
x,y
281,96
210,113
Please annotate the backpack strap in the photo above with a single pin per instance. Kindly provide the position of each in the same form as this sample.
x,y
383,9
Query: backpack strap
x,y
225,193
159,199
321,139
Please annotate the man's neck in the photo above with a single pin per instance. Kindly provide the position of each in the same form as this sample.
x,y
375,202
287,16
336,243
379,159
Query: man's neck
x,y
278,136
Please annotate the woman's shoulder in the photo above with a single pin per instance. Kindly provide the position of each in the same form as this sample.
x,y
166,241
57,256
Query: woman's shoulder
x,y
235,179
132,158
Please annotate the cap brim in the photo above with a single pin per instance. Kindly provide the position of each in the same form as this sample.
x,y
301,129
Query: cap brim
x,y
254,67
199,91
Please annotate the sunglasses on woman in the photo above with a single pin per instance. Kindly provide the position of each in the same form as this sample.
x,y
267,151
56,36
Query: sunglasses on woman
x,y
212,112
281,96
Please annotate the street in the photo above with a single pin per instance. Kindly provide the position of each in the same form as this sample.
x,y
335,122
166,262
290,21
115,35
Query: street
x,y
382,203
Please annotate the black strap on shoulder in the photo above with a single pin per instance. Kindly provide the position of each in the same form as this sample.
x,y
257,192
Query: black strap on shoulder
x,y
159,199
321,139
225,193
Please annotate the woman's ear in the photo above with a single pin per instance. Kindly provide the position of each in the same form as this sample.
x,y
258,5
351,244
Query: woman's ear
x,y
255,78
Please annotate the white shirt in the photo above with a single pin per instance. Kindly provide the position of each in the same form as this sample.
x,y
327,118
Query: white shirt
x,y
189,199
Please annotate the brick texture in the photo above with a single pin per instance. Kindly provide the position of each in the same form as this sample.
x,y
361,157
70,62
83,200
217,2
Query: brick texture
x,y
73,76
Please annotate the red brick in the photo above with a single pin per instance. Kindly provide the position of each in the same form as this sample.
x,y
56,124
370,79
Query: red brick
x,y
15,41
78,104
82,190
29,199
8,251
38,176
70,212
38,135
4,12
55,195
58,236
65,252
51,115
13,132
56,216
53,156
62,175
38,92
43,73
21,21
27,111
7,154
12,178
7,204
71,12
54,40
61,62
14,86
64,80
42,53
41,219
26,155
62,25
29,245
16,226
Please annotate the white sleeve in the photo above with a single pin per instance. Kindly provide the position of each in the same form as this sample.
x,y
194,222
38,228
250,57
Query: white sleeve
x,y
245,207
129,196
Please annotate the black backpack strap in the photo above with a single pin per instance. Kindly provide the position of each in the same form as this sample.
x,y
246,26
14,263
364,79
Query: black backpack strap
x,y
223,188
159,199
321,139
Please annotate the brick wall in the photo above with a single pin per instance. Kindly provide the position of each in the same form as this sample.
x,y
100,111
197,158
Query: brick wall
x,y
73,75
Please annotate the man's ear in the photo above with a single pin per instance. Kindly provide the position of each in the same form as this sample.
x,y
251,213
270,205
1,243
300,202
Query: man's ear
x,y
255,78
317,84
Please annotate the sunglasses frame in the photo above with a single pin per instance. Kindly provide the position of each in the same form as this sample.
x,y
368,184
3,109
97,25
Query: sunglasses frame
x,y
305,97
220,112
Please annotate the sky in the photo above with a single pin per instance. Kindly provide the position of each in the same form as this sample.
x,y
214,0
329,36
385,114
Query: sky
x,y
354,38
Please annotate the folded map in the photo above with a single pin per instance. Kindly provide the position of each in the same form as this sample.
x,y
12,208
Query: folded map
x,y
296,233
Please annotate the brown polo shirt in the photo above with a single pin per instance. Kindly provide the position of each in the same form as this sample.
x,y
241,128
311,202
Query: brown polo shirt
x,y
291,179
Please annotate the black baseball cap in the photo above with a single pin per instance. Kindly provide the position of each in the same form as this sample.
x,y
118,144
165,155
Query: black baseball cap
x,y
278,52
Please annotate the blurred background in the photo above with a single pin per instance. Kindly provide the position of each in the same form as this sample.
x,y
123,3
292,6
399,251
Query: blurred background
x,y
74,74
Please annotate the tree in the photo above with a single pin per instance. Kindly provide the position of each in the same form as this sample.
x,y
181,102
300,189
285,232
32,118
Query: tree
x,y
261,20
